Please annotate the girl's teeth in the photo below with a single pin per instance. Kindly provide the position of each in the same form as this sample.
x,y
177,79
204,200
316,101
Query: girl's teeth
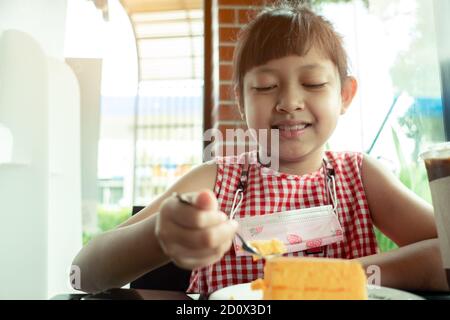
x,y
293,128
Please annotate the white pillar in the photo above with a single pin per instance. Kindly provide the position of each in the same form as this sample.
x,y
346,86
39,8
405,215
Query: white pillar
x,y
89,73
64,211
24,180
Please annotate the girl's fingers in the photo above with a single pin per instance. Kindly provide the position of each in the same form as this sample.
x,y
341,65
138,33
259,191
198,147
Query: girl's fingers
x,y
193,263
190,217
187,253
206,200
194,234
195,260
169,233
202,200
206,238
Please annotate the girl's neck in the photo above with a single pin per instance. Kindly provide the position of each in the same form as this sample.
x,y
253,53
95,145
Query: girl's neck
x,y
305,165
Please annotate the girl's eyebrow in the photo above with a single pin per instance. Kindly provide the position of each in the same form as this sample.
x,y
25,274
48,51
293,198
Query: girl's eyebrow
x,y
312,66
265,70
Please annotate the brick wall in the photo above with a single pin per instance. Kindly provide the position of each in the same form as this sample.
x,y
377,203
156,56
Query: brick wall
x,y
230,16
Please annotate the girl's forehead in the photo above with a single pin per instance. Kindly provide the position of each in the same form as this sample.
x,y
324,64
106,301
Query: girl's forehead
x,y
310,62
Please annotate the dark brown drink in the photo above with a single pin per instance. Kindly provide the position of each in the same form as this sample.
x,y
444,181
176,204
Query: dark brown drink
x,y
437,162
437,168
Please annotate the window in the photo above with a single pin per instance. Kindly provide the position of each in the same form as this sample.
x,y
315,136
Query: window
x,y
151,101
111,43
398,110
170,106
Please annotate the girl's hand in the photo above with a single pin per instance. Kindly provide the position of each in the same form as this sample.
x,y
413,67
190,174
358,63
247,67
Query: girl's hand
x,y
196,235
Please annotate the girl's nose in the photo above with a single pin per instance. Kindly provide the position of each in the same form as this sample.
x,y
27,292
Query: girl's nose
x,y
290,100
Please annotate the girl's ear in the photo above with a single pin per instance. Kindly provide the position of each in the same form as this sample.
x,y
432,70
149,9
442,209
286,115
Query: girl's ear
x,y
348,92
238,100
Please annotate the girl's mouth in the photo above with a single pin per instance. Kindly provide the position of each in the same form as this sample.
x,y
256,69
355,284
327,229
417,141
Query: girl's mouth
x,y
294,131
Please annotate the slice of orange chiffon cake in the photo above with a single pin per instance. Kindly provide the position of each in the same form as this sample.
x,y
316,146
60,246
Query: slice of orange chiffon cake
x,y
292,278
268,247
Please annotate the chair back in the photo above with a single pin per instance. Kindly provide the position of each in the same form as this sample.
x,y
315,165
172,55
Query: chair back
x,y
167,277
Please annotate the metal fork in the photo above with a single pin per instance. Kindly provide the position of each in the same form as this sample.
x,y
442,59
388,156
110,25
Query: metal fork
x,y
245,245
248,247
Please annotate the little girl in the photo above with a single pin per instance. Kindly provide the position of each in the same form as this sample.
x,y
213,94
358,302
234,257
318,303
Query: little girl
x,y
290,73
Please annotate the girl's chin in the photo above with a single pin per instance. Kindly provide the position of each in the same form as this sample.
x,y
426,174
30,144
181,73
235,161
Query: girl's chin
x,y
292,153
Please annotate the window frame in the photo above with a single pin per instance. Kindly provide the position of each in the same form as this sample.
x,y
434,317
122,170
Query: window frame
x,y
442,22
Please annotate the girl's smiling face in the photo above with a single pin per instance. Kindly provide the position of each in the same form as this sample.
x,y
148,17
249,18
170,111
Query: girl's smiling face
x,y
301,96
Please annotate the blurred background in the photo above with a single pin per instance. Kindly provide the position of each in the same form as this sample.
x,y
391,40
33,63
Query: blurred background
x,y
103,105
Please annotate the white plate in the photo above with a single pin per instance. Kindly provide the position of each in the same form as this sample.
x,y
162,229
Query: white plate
x,y
244,292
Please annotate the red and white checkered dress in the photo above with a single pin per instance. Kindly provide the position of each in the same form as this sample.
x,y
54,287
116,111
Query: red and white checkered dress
x,y
269,193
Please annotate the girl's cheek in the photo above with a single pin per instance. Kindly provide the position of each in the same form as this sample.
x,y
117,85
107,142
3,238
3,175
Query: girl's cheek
x,y
325,104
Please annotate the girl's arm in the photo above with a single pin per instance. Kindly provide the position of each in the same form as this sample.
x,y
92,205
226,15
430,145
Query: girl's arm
x,y
417,266
409,222
119,256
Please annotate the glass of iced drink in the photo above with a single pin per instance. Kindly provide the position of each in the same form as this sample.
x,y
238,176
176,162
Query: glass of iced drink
x,y
437,163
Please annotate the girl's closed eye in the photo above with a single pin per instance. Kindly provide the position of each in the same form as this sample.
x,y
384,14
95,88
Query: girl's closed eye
x,y
264,88
315,85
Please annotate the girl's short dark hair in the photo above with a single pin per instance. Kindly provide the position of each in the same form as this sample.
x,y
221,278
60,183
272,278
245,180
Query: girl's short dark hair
x,y
285,29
